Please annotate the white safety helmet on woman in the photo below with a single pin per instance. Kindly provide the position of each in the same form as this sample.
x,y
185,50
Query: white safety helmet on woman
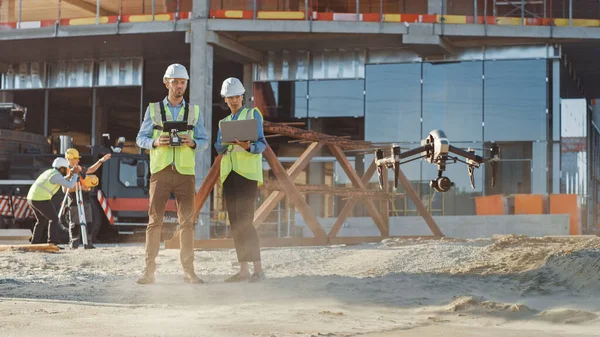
x,y
60,162
232,87
176,70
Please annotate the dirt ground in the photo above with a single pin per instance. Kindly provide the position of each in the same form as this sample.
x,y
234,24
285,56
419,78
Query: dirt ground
x,y
509,286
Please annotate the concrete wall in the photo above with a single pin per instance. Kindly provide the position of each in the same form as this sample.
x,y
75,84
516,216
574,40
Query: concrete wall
x,y
468,227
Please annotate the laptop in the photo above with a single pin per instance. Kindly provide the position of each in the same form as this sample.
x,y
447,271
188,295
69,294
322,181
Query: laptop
x,y
244,130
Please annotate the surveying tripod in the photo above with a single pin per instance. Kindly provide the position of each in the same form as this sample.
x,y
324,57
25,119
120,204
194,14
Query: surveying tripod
x,y
80,213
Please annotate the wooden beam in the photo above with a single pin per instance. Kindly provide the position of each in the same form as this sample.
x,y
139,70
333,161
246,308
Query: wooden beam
x,y
295,242
42,247
419,203
328,190
345,213
212,177
307,135
294,195
275,197
357,181
88,7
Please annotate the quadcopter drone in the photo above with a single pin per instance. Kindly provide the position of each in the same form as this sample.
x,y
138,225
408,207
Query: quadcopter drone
x,y
436,150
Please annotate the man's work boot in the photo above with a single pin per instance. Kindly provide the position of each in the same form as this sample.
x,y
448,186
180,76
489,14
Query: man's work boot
x,y
192,278
146,279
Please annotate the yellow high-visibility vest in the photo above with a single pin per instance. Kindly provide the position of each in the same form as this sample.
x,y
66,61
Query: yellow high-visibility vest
x,y
246,164
183,156
42,189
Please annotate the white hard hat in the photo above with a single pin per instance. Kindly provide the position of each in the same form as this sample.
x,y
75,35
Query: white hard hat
x,y
60,162
176,70
232,87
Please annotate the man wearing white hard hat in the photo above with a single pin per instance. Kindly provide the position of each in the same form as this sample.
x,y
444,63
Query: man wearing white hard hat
x,y
40,195
241,173
172,168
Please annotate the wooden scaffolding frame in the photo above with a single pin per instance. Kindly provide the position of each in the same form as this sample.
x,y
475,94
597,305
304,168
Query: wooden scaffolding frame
x,y
285,186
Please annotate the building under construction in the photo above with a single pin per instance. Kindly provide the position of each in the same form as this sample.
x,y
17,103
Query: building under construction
x,y
382,71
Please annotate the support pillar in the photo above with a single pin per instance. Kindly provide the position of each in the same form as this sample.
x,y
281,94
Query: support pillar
x,y
436,6
555,133
200,88
248,84
200,9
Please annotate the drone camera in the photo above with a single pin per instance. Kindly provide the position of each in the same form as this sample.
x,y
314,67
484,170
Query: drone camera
x,y
441,184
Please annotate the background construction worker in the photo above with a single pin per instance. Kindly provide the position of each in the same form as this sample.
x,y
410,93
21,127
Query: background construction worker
x,y
241,172
40,196
92,227
172,169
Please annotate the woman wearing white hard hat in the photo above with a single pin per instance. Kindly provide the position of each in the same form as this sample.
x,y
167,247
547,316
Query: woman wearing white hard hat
x,y
241,173
40,195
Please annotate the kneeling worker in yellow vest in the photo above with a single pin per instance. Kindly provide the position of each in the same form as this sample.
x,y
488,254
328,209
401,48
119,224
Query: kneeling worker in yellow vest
x,y
241,173
40,195
172,168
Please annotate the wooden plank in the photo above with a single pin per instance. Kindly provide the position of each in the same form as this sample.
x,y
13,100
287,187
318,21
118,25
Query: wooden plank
x,y
328,190
344,214
357,181
419,203
308,135
351,203
293,194
211,179
45,247
356,240
275,197
299,242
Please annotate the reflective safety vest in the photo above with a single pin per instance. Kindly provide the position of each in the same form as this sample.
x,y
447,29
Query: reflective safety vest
x,y
42,189
183,156
245,163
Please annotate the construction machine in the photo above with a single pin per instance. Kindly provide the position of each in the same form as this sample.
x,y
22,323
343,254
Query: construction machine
x,y
120,200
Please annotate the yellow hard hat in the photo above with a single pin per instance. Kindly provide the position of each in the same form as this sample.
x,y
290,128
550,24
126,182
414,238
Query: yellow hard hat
x,y
91,180
72,154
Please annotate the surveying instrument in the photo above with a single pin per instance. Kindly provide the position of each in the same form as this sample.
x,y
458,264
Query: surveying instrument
x,y
80,213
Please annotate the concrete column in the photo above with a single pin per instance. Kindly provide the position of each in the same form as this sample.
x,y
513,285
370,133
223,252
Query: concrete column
x,y
247,81
556,122
436,6
200,9
200,88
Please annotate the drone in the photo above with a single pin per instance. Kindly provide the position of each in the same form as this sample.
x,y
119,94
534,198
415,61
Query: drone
x,y
436,150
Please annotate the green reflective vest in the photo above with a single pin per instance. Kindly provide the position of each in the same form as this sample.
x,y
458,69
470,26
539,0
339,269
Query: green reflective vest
x,y
183,156
245,163
42,189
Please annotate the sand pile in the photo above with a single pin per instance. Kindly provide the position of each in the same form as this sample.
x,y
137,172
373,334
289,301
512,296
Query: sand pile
x,y
568,262
473,304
